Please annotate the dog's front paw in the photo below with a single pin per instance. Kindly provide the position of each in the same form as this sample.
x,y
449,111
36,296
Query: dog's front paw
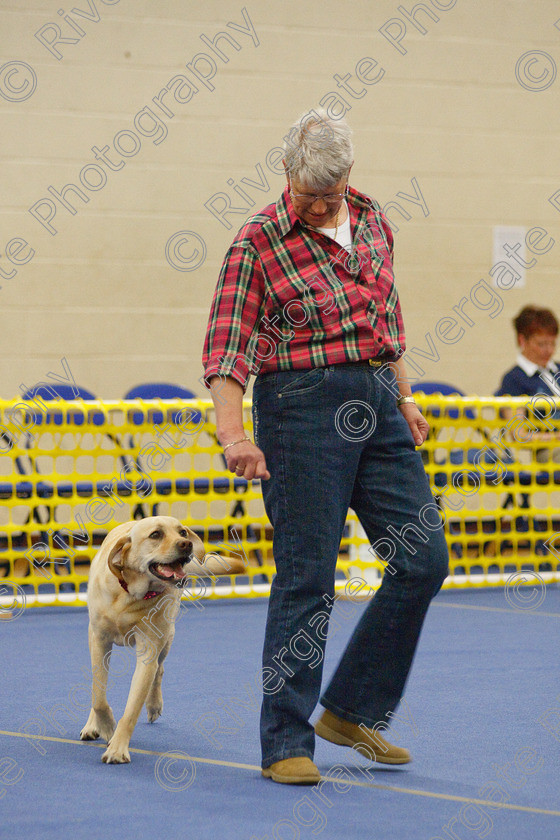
x,y
116,754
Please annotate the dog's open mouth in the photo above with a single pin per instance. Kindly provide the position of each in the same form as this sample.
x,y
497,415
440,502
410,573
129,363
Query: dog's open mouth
x,y
169,571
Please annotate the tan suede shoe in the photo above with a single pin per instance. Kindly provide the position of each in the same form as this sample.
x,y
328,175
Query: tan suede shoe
x,y
375,747
293,771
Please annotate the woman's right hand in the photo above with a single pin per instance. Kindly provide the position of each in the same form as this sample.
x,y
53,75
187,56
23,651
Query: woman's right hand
x,y
246,460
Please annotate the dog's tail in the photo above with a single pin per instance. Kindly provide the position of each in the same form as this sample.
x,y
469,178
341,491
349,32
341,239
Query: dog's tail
x,y
217,564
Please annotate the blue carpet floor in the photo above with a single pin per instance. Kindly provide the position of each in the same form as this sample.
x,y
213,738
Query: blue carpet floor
x,y
481,717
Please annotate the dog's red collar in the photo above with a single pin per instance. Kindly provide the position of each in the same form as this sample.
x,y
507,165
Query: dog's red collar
x,y
149,594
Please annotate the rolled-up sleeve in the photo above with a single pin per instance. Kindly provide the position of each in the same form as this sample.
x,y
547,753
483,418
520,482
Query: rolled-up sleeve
x,y
237,308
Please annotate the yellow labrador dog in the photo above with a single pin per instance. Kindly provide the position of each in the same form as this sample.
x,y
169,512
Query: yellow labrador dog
x,y
134,594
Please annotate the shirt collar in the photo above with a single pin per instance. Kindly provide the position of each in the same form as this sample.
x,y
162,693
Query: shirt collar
x,y
286,214
530,368
288,218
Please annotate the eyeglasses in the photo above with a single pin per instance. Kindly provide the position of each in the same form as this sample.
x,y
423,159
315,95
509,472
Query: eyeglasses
x,y
330,199
542,343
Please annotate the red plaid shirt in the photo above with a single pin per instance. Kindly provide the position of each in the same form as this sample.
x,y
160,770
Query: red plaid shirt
x,y
289,297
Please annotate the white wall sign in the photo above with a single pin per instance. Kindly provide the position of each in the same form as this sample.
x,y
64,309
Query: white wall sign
x,y
509,247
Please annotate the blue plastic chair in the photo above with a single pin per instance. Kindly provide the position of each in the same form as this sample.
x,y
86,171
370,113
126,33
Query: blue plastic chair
x,y
154,391
50,393
464,458
166,391
458,457
61,392
442,388
160,391
445,390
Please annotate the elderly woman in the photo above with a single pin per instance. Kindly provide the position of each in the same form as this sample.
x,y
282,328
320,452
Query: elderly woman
x,y
306,301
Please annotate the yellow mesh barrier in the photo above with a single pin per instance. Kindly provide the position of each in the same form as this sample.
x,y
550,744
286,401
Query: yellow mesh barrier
x,y
70,471
494,469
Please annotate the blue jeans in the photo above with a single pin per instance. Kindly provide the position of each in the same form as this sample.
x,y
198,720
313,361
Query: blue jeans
x,y
334,438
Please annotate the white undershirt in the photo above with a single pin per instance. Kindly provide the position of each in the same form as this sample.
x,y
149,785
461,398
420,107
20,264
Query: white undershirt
x,y
344,235
548,374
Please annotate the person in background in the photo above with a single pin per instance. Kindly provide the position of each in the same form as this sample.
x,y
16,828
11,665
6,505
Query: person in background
x,y
535,372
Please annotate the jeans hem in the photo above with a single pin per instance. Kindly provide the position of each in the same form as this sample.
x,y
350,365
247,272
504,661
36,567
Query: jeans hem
x,y
295,753
352,717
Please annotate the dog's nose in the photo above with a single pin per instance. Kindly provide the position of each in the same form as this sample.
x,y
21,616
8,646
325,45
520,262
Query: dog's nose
x,y
186,546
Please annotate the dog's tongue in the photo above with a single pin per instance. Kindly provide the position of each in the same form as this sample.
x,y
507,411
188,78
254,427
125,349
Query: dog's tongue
x,y
169,571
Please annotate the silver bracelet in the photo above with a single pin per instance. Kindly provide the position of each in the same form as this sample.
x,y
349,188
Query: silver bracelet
x,y
409,399
234,442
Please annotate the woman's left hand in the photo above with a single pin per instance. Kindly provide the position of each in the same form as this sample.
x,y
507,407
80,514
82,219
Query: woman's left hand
x,y
417,422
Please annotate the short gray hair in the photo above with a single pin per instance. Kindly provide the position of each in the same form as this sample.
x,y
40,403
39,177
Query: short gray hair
x,y
319,150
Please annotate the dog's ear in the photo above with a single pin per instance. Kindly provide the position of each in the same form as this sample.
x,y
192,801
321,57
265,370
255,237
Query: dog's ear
x,y
198,551
119,551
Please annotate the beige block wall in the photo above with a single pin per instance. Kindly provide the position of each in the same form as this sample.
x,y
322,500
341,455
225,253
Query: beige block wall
x,y
447,118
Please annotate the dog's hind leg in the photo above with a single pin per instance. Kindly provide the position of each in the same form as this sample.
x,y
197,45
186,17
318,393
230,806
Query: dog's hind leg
x,y
154,700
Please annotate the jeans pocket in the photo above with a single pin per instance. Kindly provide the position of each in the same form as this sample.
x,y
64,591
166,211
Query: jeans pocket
x,y
300,382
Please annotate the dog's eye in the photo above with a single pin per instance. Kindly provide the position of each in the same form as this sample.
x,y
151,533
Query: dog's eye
x,y
155,535
183,533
